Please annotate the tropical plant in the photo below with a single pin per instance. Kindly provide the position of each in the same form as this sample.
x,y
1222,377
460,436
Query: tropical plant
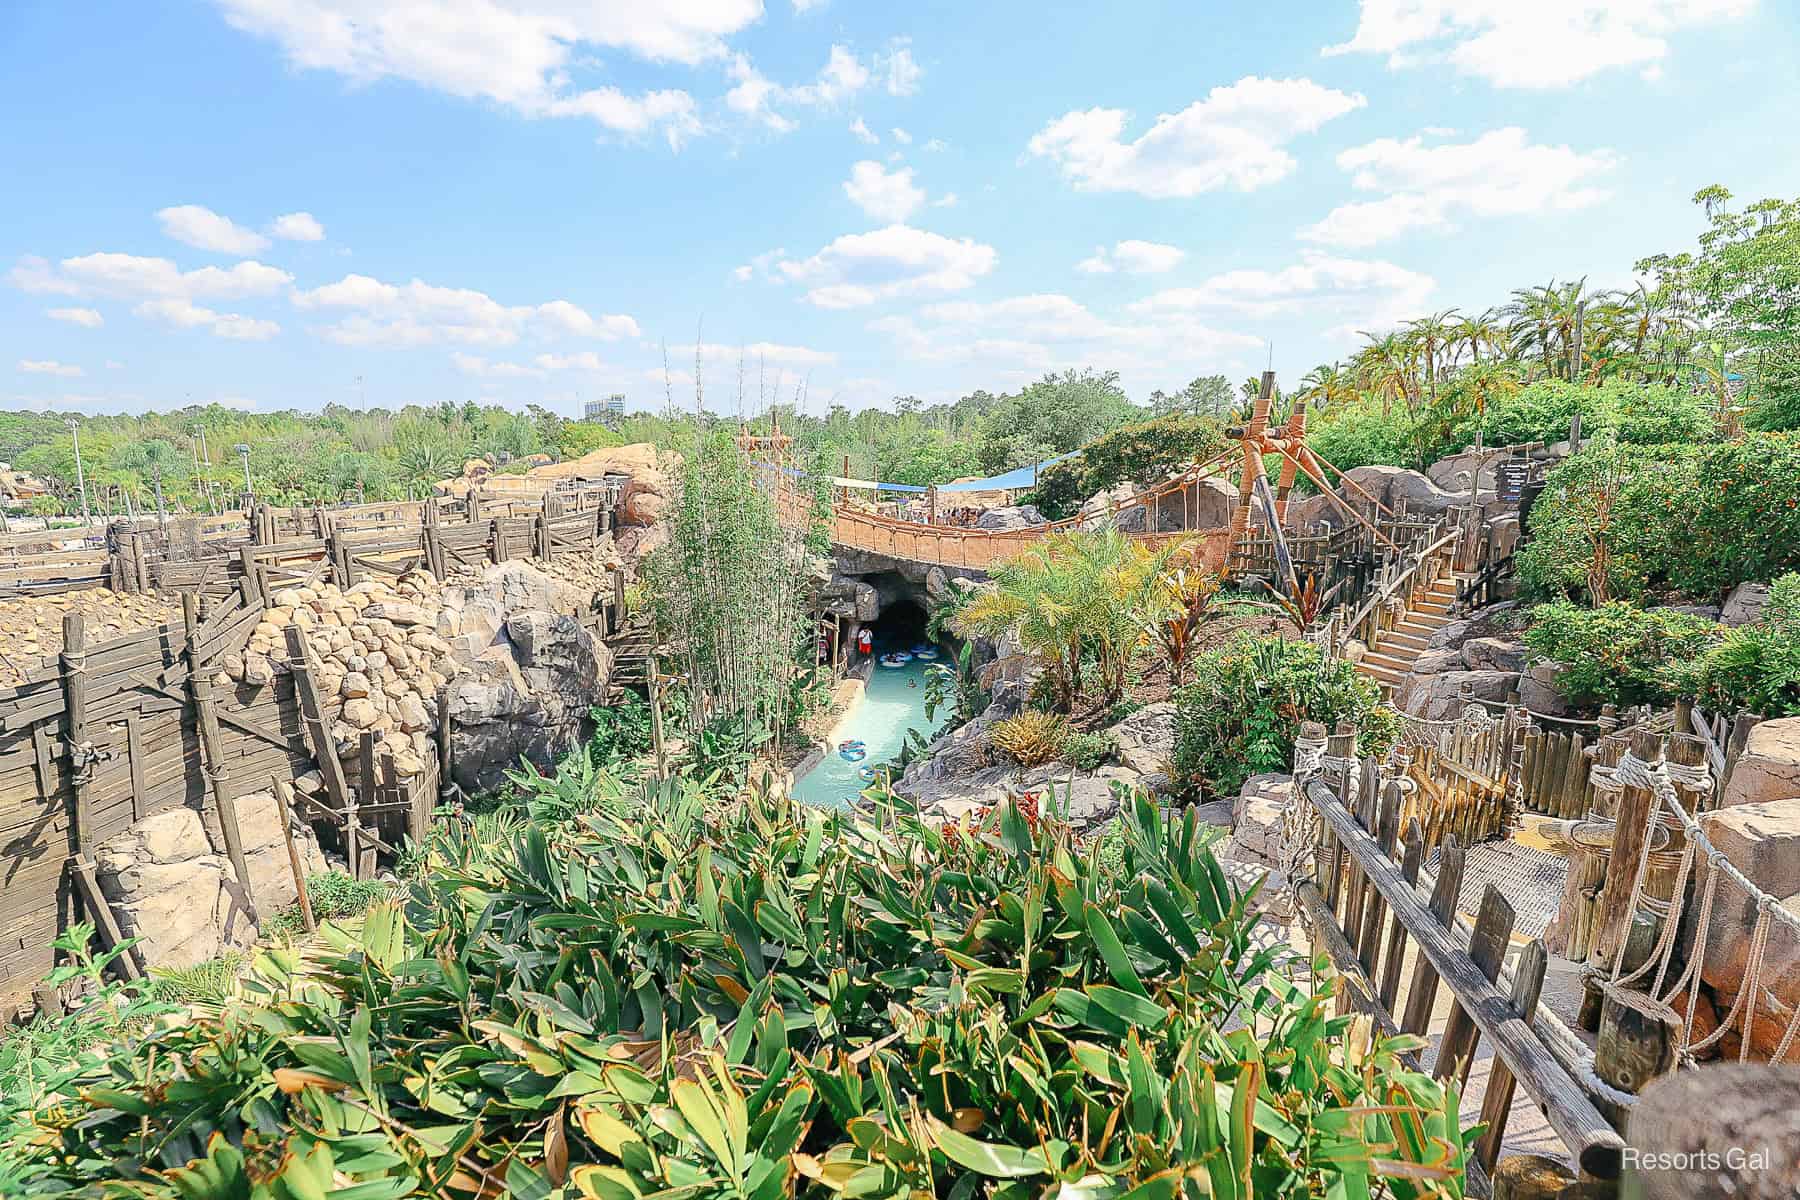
x,y
767,1001
1753,668
1031,738
1072,598
958,686
1086,751
1242,712
1308,602
1188,594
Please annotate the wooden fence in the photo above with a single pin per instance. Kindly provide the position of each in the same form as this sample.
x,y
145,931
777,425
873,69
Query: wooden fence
x,y
1365,905
274,546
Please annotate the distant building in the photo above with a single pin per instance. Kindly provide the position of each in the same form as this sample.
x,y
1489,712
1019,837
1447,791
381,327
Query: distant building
x,y
608,411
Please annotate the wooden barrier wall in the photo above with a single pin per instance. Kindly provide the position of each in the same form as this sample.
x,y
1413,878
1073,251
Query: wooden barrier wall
x,y
115,732
210,554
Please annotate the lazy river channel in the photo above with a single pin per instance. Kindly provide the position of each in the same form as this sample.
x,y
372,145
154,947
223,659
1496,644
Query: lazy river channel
x,y
893,702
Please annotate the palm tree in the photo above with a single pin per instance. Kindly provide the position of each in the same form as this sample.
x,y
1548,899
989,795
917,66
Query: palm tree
x,y
1482,329
1432,334
1387,367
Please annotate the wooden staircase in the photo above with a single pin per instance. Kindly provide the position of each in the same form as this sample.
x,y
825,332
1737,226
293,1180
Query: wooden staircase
x,y
1391,659
631,648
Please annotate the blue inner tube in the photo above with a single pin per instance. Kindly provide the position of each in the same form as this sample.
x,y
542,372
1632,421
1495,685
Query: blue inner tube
x,y
896,658
926,653
852,750
866,774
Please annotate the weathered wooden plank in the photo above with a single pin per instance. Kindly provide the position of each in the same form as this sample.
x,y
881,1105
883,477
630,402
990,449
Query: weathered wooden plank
x,y
1597,1147
212,751
1487,949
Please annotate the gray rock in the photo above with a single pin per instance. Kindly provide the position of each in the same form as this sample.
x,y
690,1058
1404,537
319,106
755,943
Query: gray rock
x,y
1745,604
1146,738
1256,819
1431,662
1016,516
1440,697
1394,485
1449,635
1539,692
1768,769
1493,654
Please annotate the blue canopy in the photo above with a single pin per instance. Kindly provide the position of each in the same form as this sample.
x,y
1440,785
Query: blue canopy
x,y
1012,481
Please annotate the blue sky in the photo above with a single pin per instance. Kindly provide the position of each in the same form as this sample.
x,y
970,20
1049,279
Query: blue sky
x,y
259,201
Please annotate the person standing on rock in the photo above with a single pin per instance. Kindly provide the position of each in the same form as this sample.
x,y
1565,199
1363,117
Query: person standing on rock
x,y
865,642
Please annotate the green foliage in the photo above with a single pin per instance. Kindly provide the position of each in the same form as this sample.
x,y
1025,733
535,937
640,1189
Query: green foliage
x,y
958,686
622,731
1242,712
769,1001
334,896
1144,451
42,1061
725,591
1754,668
1086,751
1031,738
1643,521
1617,653
208,982
576,438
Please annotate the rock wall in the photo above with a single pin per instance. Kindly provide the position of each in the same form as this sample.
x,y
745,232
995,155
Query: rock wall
x,y
31,627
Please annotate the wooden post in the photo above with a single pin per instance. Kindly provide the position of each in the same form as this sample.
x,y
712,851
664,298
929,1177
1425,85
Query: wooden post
x,y
443,735
1640,1038
1531,1177
366,793
312,715
74,682
1396,950
1528,986
1631,825
284,809
104,922
212,750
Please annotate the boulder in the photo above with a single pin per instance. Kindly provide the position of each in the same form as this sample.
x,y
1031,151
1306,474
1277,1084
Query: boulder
x,y
1538,690
1761,839
1013,516
1769,768
853,598
1396,485
1256,819
526,697
1745,604
1088,799
1493,654
1431,662
1146,738
265,853
1440,697
397,612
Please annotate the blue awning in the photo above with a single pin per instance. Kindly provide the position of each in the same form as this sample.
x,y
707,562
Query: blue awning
x,y
1011,481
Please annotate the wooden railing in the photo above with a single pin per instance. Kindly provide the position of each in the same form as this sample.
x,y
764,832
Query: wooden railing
x,y
1365,905
1397,580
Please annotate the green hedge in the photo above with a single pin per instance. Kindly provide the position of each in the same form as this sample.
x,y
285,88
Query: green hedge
x,y
1618,653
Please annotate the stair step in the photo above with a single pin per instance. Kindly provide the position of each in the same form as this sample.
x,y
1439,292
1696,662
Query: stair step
x,y
1389,678
1387,662
1408,641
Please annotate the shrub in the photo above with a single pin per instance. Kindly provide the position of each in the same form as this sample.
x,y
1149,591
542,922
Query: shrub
x,y
1649,520
621,731
334,896
1086,751
1755,668
1240,715
1617,653
1031,738
765,1001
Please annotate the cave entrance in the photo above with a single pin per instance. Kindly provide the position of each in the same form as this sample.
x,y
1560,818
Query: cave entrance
x,y
901,625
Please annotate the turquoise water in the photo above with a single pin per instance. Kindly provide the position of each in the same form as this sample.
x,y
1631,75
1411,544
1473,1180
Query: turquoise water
x,y
893,703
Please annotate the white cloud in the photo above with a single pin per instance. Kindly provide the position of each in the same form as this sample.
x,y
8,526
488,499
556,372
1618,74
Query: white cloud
x,y
901,136
936,144
419,313
751,353
539,367
758,267
297,227
204,229
759,98
859,269
1500,173
863,133
49,367
1021,337
801,6
517,54
185,314
1233,138
947,200
885,195
1356,293
132,277
1531,43
88,317
1133,257
902,70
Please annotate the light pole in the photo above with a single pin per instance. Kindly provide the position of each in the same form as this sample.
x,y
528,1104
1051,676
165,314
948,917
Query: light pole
x,y
162,514
243,451
80,475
